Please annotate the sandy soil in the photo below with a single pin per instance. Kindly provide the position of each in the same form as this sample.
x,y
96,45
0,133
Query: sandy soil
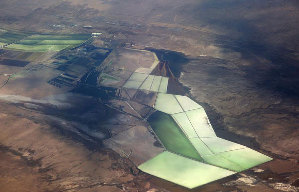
x,y
18,175
55,162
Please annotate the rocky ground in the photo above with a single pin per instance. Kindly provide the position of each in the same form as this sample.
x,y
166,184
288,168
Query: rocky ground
x,y
36,156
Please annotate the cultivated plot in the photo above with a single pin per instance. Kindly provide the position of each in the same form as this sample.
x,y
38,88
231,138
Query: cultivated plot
x,y
44,43
120,66
193,155
171,136
8,37
183,171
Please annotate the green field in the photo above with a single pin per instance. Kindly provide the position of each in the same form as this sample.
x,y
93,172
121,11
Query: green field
x,y
107,79
167,103
183,171
237,160
10,37
49,42
36,48
171,135
60,42
82,37
28,42
44,43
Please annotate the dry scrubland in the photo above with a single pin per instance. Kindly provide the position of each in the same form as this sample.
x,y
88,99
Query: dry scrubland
x,y
53,162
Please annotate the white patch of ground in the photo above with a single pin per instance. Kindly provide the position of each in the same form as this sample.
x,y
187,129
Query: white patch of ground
x,y
284,187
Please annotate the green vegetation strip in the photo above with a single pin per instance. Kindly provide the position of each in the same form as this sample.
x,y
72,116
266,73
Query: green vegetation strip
x,y
60,42
10,37
60,37
172,136
183,171
49,42
37,48
28,42
44,43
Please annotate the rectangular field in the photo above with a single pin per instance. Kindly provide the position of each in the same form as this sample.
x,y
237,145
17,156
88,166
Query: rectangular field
x,y
183,171
21,55
12,62
59,37
171,135
44,43
37,48
7,37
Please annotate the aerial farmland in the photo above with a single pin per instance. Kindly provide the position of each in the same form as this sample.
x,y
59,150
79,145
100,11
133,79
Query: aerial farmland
x,y
149,96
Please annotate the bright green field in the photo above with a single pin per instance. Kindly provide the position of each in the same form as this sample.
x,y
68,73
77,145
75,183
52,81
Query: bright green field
x,y
28,42
60,37
183,171
36,48
237,160
60,42
167,103
43,43
171,135
49,42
